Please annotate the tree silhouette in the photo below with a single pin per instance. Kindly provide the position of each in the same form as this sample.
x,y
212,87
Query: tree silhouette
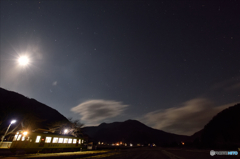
x,y
30,122
73,127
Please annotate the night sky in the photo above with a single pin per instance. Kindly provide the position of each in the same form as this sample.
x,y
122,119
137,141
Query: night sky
x,y
172,65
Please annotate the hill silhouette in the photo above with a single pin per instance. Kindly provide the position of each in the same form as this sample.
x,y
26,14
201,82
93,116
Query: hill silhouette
x,y
223,130
19,107
131,131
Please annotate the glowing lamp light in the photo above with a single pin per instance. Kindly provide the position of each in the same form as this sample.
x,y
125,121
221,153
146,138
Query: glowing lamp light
x,y
13,121
25,133
65,131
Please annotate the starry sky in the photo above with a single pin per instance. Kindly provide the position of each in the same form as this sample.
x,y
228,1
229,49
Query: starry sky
x,y
172,65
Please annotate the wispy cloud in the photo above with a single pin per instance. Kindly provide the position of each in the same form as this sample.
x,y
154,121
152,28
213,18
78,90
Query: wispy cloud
x,y
54,83
188,118
235,86
95,111
228,85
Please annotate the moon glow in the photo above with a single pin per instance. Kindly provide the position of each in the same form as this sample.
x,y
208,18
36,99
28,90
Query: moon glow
x,y
23,60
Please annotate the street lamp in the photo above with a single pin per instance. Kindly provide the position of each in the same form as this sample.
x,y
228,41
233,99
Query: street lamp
x,y
12,122
65,131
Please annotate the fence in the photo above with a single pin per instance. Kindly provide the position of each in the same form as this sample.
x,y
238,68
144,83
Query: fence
x,y
5,145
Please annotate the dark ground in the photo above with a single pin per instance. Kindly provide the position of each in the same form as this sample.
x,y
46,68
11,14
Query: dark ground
x,y
160,153
133,153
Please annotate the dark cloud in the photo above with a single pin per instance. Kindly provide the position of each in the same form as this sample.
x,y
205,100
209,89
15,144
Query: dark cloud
x,y
187,119
94,111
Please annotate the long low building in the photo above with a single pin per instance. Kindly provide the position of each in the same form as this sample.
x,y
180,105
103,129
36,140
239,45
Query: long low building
x,y
45,142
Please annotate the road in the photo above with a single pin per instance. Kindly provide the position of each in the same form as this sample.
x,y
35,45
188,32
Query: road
x,y
160,153
136,153
133,153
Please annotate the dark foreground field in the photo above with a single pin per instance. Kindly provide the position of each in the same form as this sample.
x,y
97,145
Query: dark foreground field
x,y
133,153
160,153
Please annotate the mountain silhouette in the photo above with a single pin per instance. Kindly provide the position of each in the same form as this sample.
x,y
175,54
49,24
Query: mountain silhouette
x,y
131,131
221,132
18,107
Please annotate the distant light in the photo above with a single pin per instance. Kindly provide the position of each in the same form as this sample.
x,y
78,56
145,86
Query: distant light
x,y
182,143
13,121
65,131
23,60
25,133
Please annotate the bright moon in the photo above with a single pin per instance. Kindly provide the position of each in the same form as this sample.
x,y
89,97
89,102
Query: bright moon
x,y
23,60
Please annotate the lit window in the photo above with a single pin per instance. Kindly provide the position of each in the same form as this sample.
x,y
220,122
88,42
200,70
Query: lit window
x,y
38,139
23,138
79,141
82,141
69,141
48,139
19,137
15,138
55,140
60,140
74,141
65,140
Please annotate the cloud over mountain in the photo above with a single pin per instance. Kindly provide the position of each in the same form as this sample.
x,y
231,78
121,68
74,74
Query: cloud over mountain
x,y
186,119
94,111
